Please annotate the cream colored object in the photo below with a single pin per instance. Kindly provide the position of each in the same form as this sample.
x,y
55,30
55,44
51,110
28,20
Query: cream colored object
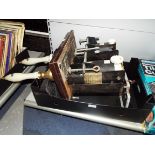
x,y
117,60
17,77
112,41
33,61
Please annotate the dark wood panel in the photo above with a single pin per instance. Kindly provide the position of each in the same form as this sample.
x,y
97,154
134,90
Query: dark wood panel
x,y
33,24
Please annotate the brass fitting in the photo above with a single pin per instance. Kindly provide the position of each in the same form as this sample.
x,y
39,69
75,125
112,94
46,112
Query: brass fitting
x,y
46,75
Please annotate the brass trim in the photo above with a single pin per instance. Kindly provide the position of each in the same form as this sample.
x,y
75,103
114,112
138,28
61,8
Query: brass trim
x,y
46,75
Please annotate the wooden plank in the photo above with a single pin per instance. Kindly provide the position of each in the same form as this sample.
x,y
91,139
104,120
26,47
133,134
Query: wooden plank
x,y
60,63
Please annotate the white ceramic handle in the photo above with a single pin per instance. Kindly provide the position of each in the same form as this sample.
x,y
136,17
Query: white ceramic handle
x,y
112,41
33,61
17,77
117,60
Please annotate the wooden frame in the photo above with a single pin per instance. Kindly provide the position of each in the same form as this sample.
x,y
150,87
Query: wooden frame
x,y
62,59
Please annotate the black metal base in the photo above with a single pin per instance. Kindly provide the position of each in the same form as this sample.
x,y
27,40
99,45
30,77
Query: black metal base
x,y
47,95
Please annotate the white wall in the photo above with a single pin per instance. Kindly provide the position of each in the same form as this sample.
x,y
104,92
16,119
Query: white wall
x,y
135,38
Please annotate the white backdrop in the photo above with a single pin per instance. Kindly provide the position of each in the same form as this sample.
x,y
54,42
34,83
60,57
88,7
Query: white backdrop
x,y
135,38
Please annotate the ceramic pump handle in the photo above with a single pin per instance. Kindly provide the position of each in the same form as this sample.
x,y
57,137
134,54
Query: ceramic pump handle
x,y
33,61
18,77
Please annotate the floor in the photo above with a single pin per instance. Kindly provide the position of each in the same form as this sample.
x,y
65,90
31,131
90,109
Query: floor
x,y
11,122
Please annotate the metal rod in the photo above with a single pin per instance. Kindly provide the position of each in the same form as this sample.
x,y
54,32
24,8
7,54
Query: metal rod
x,y
37,33
87,49
95,69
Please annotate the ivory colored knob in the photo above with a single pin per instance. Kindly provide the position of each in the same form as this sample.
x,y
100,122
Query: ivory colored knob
x,y
117,59
112,41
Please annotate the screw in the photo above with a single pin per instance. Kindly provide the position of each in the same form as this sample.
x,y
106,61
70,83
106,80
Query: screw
x,y
95,69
